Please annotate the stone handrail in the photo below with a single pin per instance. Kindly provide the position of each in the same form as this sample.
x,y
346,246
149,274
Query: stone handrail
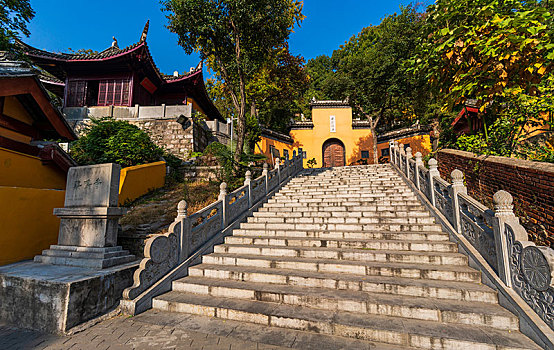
x,y
168,256
496,234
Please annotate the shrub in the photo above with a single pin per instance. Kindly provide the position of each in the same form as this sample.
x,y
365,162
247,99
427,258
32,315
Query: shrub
x,y
107,140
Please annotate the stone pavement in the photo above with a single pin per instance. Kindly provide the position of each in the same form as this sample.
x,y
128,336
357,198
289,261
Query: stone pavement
x,y
161,330
123,332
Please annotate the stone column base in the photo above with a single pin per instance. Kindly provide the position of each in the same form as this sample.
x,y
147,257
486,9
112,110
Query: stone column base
x,y
87,257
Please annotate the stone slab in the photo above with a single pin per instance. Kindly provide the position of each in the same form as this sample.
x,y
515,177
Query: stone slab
x,y
93,186
54,299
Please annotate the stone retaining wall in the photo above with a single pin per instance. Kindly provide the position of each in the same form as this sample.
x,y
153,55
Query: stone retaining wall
x,y
530,183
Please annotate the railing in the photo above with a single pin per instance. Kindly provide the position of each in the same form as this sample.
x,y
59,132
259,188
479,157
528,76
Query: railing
x,y
122,112
496,234
168,256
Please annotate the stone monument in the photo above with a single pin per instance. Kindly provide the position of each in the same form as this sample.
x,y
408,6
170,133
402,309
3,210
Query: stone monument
x,y
89,220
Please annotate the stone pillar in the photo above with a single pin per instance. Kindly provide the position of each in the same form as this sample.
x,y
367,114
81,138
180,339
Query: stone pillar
x,y
457,188
418,163
89,220
184,238
223,197
265,174
248,182
402,159
278,167
433,172
408,157
503,215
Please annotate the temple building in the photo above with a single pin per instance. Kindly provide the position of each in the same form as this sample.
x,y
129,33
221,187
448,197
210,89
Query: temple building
x,y
334,137
126,84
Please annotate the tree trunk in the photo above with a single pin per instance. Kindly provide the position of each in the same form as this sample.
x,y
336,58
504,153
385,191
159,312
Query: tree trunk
x,y
374,137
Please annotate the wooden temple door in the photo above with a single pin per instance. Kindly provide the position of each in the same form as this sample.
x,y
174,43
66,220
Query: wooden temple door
x,y
333,154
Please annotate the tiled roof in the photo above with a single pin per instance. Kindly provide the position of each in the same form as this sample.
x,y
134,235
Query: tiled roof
x,y
107,53
329,103
9,67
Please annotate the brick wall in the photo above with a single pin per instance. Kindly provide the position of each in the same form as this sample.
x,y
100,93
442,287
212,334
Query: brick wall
x,y
530,183
168,134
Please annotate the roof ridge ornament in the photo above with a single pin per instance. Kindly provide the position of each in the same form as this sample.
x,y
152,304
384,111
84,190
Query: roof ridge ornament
x,y
144,32
114,42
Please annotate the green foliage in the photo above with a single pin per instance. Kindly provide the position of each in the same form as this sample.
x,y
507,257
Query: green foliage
x,y
107,140
231,173
14,17
236,38
311,163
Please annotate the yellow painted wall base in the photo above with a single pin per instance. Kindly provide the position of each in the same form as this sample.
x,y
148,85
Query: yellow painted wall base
x,y
28,225
138,180
21,170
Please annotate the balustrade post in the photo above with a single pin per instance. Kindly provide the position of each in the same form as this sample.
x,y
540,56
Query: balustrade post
x,y
456,188
248,182
418,163
300,159
294,163
223,198
504,214
265,174
402,162
397,153
278,167
184,238
408,157
433,172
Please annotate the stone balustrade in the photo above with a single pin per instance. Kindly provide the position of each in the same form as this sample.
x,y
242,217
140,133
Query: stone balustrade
x,y
496,234
168,256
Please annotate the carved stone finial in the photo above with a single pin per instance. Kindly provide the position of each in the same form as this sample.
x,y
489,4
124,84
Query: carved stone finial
x,y
247,177
433,163
222,191
503,202
418,155
409,152
182,208
457,177
266,167
277,162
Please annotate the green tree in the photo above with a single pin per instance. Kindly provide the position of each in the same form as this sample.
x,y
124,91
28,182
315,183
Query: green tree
x,y
372,71
115,141
235,37
498,52
14,17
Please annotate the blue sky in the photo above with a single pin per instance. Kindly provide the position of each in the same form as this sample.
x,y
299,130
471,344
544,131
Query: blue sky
x,y
62,24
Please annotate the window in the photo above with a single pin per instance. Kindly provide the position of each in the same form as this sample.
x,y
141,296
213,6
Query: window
x,y
113,92
365,154
76,93
385,152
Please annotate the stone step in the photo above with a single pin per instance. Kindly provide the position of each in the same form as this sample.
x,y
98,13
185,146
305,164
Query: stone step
x,y
343,220
92,263
386,329
319,207
269,338
341,214
366,255
411,199
354,202
425,271
324,234
402,245
448,311
84,254
343,227
439,289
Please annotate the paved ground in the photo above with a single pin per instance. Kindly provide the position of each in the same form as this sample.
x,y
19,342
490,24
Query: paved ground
x,y
121,332
163,330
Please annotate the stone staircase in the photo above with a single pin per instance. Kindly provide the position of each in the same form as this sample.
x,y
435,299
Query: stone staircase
x,y
349,253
